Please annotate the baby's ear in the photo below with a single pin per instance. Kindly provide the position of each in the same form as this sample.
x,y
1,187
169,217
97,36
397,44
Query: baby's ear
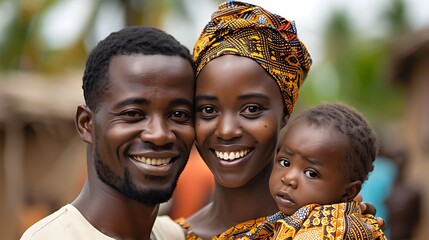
x,y
352,190
285,117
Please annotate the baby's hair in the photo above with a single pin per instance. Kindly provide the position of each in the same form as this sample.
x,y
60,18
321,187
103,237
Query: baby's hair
x,y
128,41
350,122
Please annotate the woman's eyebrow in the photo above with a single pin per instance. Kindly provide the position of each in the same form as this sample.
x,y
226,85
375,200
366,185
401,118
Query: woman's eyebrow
x,y
205,97
253,95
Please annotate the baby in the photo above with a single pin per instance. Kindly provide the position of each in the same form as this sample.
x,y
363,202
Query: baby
x,y
325,156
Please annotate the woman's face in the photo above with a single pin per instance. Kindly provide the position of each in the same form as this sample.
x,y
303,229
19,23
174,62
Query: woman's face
x,y
239,113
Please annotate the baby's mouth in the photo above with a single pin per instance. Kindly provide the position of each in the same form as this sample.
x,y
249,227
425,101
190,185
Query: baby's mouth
x,y
285,198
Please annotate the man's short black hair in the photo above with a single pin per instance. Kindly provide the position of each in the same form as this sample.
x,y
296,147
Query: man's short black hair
x,y
130,40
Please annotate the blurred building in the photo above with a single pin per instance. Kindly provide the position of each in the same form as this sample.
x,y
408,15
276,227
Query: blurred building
x,y
42,159
410,69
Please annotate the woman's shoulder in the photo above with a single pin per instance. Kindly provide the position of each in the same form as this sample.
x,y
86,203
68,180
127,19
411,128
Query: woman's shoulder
x,y
189,233
244,230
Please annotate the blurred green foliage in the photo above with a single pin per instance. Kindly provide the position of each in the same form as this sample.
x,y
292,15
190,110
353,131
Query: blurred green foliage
x,y
22,47
354,69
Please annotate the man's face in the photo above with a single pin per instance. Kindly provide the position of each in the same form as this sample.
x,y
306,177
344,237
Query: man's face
x,y
143,130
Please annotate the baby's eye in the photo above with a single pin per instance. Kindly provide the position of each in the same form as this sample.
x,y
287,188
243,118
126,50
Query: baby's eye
x,y
284,162
311,174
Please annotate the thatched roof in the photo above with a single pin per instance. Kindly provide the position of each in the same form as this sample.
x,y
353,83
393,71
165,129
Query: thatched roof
x,y
33,96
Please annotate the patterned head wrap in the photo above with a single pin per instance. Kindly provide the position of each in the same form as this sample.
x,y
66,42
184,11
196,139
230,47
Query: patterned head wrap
x,y
247,30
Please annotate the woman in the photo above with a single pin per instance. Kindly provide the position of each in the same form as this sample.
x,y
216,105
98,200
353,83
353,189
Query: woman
x,y
250,65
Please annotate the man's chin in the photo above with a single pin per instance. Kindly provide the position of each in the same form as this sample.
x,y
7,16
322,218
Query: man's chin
x,y
125,185
150,197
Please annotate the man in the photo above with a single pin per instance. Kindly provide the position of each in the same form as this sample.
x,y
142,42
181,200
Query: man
x,y
138,126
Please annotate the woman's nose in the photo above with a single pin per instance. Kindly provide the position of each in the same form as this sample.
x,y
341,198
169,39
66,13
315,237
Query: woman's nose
x,y
228,127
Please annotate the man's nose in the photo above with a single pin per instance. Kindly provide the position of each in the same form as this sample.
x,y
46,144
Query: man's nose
x,y
157,131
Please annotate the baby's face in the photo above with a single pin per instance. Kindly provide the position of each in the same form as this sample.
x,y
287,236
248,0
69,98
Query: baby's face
x,y
310,167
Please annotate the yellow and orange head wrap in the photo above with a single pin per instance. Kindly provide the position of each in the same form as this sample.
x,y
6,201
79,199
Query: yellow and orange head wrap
x,y
243,29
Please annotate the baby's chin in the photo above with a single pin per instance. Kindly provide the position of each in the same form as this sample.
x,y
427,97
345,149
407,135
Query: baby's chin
x,y
288,208
288,211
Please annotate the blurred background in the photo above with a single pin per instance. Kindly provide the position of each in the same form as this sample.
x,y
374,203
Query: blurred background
x,y
373,55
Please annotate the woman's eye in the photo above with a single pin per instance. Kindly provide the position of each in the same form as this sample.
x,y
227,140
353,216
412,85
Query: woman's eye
x,y
252,111
207,112
284,163
311,174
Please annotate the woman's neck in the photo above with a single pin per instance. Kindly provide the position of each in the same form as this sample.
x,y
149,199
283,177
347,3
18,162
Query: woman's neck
x,y
231,206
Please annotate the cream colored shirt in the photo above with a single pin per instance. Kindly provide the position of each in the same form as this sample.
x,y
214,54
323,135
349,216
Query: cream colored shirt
x,y
69,224
166,228
66,224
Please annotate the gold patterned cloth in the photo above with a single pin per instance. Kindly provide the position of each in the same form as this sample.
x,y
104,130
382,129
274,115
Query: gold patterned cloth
x,y
247,30
316,222
342,221
239,231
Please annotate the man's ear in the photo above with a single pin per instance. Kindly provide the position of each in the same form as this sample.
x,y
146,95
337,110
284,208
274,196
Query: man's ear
x,y
352,190
84,123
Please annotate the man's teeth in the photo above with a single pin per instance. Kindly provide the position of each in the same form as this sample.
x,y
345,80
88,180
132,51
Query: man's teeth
x,y
153,161
231,155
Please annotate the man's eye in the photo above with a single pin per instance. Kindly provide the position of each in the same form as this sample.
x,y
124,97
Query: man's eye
x,y
133,114
311,174
180,116
284,162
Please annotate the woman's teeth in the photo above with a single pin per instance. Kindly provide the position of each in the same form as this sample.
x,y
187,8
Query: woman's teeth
x,y
231,155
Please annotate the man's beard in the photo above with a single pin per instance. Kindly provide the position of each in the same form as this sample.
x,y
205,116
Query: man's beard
x,y
125,186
